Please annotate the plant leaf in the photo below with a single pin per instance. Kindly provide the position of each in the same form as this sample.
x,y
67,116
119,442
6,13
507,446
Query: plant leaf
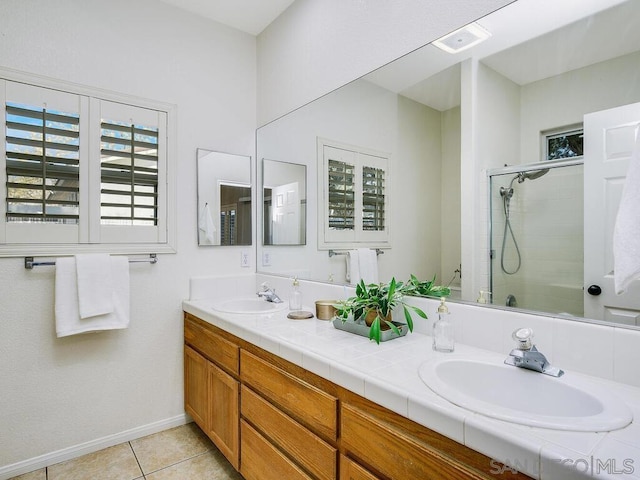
x,y
393,327
374,330
407,316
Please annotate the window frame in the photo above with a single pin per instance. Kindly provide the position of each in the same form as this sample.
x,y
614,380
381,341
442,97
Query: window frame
x,y
89,238
360,157
547,135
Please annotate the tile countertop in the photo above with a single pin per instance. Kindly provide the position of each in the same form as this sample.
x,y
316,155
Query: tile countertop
x,y
388,375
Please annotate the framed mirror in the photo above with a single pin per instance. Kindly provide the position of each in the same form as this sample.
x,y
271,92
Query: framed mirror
x,y
284,203
224,198
447,120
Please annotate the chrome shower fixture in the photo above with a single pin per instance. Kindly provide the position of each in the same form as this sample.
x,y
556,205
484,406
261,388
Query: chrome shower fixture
x,y
532,175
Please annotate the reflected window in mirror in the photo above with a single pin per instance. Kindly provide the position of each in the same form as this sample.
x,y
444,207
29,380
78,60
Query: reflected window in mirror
x,y
284,193
224,199
566,142
354,186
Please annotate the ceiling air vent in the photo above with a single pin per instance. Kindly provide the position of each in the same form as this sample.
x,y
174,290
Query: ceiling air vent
x,y
463,38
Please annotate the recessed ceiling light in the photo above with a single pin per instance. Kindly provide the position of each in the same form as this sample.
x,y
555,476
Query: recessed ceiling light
x,y
463,38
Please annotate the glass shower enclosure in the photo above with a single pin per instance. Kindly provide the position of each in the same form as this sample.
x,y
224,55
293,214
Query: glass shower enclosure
x,y
536,236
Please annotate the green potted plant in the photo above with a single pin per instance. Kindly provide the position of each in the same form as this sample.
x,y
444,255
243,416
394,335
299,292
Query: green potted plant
x,y
425,288
373,304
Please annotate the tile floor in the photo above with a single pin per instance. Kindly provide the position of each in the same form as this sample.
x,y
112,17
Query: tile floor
x,y
181,453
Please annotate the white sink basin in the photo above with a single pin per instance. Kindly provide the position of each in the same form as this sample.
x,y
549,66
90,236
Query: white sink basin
x,y
247,305
522,396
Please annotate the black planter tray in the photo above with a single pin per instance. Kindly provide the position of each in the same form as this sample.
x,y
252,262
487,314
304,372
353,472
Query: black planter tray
x,y
361,328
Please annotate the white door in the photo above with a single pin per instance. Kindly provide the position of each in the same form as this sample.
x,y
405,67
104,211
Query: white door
x,y
285,213
609,138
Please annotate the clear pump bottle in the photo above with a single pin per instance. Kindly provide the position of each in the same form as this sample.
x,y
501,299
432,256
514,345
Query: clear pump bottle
x,y
295,299
443,337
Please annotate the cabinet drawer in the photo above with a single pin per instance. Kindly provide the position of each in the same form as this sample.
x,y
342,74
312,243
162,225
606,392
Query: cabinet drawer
x,y
211,345
392,453
317,456
350,470
306,403
262,461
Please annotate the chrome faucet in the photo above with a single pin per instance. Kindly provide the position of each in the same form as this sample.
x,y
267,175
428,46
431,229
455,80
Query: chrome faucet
x,y
268,294
526,355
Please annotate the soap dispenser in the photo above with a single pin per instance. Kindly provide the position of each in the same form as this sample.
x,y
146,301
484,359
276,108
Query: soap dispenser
x,y
443,338
295,299
481,297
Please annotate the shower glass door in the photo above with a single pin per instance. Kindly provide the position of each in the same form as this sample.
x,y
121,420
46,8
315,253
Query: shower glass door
x,y
536,237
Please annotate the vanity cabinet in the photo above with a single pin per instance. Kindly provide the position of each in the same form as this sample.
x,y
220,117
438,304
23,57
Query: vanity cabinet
x,y
211,394
294,415
273,419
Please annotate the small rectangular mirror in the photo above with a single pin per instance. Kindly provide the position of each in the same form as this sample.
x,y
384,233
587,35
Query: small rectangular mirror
x,y
284,201
224,198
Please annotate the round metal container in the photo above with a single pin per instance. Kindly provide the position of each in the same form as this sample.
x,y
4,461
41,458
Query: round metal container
x,y
325,309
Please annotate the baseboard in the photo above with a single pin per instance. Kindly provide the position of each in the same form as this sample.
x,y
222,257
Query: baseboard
x,y
41,461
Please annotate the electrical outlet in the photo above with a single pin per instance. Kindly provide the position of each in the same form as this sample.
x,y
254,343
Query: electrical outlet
x,y
244,259
266,259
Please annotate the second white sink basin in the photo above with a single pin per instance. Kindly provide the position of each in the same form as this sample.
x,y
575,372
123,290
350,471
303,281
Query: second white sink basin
x,y
525,397
249,305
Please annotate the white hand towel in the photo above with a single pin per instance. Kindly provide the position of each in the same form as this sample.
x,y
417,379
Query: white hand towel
x,y
95,285
68,321
368,262
626,234
206,225
353,267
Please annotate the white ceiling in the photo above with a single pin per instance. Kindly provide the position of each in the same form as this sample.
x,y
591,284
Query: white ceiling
x,y
573,37
250,16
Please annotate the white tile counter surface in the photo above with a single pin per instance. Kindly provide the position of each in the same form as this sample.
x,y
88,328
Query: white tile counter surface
x,y
388,375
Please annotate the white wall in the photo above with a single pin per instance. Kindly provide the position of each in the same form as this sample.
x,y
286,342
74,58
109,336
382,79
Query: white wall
x,y
59,393
450,255
319,45
590,89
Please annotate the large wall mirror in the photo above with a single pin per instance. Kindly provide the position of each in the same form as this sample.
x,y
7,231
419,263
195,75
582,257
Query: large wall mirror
x,y
224,198
457,125
284,202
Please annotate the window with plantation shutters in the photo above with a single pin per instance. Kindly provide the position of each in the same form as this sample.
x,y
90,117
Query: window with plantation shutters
x,y
82,170
340,192
132,178
355,200
42,164
128,174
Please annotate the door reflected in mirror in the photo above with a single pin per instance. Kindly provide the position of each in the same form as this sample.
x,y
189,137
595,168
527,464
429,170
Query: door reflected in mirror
x,y
284,195
224,199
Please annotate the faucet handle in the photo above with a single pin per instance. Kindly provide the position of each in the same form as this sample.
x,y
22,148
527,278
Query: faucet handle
x,y
523,336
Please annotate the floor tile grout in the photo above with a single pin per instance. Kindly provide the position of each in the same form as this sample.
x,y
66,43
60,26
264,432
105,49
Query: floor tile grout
x,y
137,461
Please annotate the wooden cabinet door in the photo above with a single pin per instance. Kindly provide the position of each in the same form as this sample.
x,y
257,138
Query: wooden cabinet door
x,y
196,395
223,413
350,470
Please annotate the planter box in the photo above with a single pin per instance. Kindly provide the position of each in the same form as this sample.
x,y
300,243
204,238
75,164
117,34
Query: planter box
x,y
360,328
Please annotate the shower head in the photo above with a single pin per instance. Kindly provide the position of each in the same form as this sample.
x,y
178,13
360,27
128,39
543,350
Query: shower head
x,y
507,192
532,175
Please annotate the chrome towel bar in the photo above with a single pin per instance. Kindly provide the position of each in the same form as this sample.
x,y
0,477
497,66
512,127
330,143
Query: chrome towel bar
x,y
333,252
29,262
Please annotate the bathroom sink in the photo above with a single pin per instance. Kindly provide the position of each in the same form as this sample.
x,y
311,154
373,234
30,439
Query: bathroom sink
x,y
247,305
523,396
